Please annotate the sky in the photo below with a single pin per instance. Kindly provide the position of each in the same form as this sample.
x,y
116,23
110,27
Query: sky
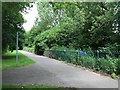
x,y
30,17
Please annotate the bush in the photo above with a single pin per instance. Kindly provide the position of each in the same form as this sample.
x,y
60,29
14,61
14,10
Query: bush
x,y
111,49
113,75
58,35
88,61
39,50
29,49
108,65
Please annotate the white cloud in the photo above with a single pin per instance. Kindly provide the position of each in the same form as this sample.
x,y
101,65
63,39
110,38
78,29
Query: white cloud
x,y
30,17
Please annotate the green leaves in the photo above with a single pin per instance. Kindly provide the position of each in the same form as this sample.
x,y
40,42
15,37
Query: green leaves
x,y
12,21
78,25
75,24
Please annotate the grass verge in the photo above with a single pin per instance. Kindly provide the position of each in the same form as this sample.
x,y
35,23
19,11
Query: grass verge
x,y
30,87
9,60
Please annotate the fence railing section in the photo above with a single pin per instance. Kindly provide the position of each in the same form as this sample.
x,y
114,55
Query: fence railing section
x,y
108,62
99,60
94,53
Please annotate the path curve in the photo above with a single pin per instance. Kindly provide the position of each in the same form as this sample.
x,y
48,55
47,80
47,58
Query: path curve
x,y
52,72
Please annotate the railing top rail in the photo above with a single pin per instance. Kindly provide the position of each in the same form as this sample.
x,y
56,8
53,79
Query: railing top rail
x,y
87,51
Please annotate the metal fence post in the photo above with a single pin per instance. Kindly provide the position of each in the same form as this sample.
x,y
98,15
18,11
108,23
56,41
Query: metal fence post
x,y
17,49
97,53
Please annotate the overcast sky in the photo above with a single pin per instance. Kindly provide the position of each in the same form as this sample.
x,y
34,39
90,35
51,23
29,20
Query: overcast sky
x,y
30,17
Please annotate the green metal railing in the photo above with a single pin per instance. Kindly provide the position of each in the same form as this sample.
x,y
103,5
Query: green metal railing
x,y
96,60
64,55
67,54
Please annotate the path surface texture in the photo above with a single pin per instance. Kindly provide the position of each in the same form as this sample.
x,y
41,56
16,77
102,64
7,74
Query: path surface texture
x,y
47,71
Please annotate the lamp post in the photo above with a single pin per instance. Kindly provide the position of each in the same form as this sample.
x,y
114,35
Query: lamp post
x,y
17,49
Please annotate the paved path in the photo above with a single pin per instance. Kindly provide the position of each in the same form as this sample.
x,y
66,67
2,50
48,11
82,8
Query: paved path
x,y
48,71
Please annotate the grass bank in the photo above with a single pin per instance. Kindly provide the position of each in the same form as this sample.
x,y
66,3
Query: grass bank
x,y
9,60
29,87
35,87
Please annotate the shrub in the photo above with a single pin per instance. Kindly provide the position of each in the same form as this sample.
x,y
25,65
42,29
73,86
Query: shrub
x,y
29,49
39,50
88,61
113,75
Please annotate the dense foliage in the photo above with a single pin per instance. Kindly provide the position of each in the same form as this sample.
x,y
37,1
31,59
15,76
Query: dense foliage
x,y
75,24
12,21
71,27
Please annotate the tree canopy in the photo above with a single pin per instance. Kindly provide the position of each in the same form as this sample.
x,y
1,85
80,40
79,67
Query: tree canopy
x,y
12,21
77,24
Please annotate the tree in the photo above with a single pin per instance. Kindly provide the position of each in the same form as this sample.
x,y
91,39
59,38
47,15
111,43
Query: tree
x,y
94,24
12,21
